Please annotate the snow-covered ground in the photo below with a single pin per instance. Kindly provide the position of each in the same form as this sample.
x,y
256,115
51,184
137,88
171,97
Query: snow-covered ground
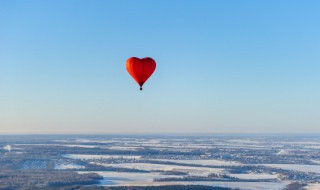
x,y
7,147
313,186
79,145
316,161
211,162
196,171
66,145
67,166
120,178
283,152
254,176
313,147
146,179
296,167
93,156
122,148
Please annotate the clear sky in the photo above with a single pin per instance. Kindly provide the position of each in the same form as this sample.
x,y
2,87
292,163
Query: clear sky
x,y
222,66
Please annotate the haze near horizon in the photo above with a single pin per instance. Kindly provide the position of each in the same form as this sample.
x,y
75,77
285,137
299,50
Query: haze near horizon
x,y
222,67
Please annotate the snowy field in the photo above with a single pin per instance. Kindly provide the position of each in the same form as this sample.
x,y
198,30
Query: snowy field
x,y
195,171
68,166
146,179
92,156
296,167
210,162
255,176
247,163
168,157
313,186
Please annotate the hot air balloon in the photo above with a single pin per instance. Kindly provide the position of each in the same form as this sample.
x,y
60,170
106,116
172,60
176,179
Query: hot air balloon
x,y
140,69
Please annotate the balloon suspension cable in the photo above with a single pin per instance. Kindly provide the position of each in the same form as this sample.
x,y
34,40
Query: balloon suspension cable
x,y
141,84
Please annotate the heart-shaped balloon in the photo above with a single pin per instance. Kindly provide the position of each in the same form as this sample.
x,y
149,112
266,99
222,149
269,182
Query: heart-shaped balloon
x,y
140,69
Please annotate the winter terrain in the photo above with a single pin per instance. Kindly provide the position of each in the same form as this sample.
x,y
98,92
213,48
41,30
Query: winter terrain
x,y
270,162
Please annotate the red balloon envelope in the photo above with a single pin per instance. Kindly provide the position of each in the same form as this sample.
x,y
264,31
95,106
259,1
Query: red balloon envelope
x,y
140,69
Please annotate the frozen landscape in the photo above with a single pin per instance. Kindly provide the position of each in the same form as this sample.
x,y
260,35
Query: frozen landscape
x,y
235,162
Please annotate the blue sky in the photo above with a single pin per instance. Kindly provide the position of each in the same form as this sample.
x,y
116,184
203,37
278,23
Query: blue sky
x,y
222,66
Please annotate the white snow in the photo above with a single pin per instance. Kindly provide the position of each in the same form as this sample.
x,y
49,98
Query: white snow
x,y
125,177
122,148
78,145
296,167
283,152
313,186
146,179
254,176
92,156
196,171
316,161
68,166
313,147
211,162
7,147
66,145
